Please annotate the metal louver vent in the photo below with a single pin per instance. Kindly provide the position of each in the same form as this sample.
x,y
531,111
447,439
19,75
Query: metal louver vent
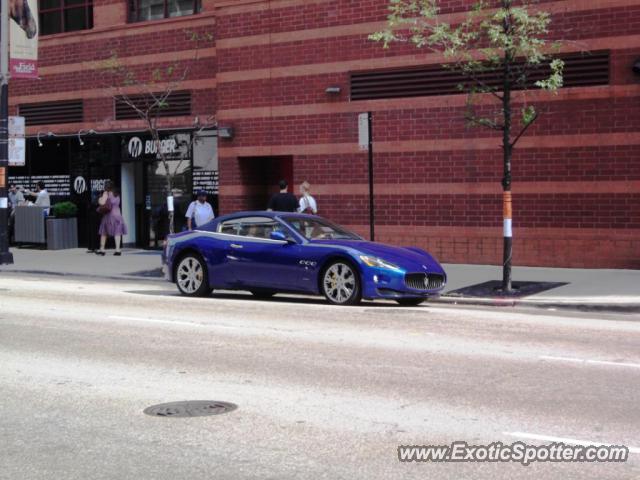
x,y
581,70
177,104
47,113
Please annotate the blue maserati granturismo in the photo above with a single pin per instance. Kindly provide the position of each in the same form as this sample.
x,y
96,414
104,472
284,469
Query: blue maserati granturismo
x,y
270,252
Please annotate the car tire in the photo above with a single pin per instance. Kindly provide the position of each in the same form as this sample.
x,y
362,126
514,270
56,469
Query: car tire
x,y
192,277
340,283
410,302
262,294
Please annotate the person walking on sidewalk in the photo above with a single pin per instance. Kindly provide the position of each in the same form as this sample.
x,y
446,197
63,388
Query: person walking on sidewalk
x,y
307,202
112,223
199,212
283,201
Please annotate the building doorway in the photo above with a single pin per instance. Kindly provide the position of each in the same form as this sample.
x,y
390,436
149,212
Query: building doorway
x,y
156,192
260,176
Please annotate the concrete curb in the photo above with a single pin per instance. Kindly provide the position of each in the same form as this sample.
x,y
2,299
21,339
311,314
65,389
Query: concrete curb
x,y
86,275
568,304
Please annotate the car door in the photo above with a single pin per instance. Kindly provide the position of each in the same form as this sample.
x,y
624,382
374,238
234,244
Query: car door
x,y
214,247
261,262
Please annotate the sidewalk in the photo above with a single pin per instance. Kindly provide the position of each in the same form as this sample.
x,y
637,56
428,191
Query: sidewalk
x,y
581,288
134,264
607,289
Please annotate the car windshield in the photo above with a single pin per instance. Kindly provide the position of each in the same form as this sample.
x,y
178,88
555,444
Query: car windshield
x,y
319,229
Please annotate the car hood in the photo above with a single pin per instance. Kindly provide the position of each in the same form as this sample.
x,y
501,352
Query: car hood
x,y
409,259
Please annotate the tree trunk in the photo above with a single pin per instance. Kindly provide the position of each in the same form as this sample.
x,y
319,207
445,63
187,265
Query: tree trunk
x,y
170,211
160,155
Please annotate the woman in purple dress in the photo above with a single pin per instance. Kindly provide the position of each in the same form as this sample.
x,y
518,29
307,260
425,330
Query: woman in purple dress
x,y
112,223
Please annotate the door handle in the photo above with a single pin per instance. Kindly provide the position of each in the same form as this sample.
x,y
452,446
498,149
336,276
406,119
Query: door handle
x,y
235,245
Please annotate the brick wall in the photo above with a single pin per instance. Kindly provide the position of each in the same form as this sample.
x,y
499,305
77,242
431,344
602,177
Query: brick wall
x,y
72,65
576,174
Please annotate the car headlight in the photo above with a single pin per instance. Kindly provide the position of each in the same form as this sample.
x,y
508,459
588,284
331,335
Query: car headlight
x,y
378,262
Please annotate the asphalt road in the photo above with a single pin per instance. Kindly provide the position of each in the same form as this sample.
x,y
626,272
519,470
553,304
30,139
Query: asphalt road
x,y
322,392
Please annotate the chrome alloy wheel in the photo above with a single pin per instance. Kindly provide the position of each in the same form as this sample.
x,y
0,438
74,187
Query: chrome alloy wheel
x,y
190,275
339,283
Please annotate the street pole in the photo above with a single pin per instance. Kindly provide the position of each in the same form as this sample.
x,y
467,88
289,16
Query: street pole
x,y
507,149
5,255
372,232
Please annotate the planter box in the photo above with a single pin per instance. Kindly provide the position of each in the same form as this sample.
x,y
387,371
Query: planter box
x,y
62,233
29,225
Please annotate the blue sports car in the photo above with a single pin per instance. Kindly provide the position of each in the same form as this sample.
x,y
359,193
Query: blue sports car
x,y
270,252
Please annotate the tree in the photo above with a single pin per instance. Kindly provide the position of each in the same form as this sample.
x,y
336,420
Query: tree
x,y
148,93
497,51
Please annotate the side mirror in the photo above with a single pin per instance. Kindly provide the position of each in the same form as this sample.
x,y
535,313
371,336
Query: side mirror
x,y
278,236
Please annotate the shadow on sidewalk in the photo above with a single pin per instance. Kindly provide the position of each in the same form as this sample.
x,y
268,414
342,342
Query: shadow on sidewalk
x,y
493,289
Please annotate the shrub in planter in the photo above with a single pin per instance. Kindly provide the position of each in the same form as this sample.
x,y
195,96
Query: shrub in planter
x,y
64,210
62,226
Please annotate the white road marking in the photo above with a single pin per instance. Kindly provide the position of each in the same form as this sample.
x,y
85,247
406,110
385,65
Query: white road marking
x,y
589,362
156,320
571,441
356,337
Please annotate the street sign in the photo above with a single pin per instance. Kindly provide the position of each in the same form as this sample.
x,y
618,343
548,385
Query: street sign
x,y
17,149
363,131
17,144
16,126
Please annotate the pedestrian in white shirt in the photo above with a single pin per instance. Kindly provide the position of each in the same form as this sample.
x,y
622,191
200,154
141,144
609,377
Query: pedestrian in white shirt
x,y
42,196
199,211
307,202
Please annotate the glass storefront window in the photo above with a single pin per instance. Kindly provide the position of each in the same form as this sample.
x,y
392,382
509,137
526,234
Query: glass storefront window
x,y
157,192
205,166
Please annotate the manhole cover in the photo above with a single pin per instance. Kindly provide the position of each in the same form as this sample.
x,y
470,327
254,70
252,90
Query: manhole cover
x,y
195,408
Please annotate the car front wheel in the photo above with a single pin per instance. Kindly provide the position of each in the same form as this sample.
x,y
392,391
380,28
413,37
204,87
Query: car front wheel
x,y
191,276
341,284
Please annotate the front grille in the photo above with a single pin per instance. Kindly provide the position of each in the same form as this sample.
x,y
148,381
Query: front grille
x,y
417,281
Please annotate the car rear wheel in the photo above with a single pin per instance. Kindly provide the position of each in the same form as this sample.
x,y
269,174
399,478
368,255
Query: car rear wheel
x,y
191,276
410,302
341,284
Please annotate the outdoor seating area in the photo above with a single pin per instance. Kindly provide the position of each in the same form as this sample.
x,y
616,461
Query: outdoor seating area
x,y
32,226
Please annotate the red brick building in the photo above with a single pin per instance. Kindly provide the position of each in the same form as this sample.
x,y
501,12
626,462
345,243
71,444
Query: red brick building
x,y
266,73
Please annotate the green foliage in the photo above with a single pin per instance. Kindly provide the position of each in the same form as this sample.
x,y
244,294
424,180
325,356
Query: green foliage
x,y
510,39
65,210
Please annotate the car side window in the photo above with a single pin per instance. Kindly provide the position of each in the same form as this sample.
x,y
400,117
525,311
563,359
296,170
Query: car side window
x,y
230,227
259,229
307,229
255,227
